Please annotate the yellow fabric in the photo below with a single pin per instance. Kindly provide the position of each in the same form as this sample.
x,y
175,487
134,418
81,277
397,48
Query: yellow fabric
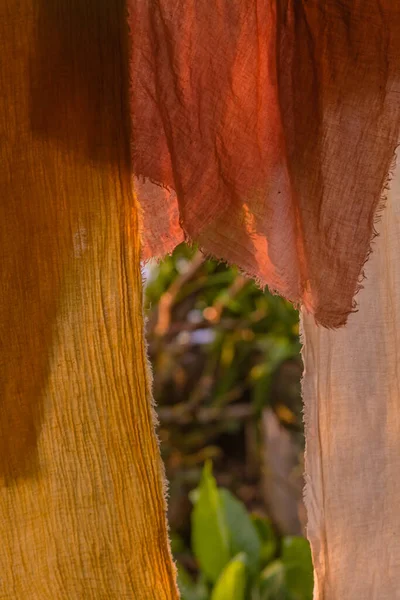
x,y
81,500
352,407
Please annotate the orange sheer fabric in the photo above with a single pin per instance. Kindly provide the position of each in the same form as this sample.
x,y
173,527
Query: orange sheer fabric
x,y
264,130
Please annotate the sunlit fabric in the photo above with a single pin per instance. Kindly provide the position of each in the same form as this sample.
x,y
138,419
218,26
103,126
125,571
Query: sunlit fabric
x,y
82,513
264,130
351,392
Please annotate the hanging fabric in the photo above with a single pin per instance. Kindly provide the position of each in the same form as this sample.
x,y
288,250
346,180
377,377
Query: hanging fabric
x,y
264,131
351,391
82,512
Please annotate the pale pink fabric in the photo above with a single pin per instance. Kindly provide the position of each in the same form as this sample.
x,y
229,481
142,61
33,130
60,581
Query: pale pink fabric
x,y
352,407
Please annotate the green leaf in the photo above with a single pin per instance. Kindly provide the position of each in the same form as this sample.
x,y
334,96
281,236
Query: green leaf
x,y
210,535
267,537
296,557
202,589
273,583
188,588
290,578
185,584
231,584
243,534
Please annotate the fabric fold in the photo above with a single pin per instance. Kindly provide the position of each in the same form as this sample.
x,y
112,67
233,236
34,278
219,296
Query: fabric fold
x,y
264,131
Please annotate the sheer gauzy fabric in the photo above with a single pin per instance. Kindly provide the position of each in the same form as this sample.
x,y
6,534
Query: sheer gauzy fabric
x,y
264,130
352,406
81,497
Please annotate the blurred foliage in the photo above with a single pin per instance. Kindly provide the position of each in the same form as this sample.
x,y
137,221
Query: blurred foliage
x,y
222,351
238,556
207,320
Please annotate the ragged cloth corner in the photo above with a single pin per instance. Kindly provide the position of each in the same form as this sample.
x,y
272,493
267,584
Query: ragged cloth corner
x,y
264,131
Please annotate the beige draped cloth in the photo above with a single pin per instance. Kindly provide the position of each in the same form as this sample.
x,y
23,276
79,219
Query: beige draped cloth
x,y
351,391
82,512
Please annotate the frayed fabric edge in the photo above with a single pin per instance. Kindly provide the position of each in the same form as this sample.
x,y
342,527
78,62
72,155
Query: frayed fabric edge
x,y
313,479
155,421
331,322
377,216
137,207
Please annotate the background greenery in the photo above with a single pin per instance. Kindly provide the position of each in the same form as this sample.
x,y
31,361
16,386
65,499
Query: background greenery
x,y
226,360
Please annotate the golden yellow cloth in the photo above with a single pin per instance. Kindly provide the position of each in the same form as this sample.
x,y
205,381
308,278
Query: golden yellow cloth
x,y
82,512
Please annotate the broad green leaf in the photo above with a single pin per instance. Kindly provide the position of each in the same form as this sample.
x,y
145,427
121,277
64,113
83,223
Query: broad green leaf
x,y
210,535
296,556
272,582
267,537
231,584
291,577
188,588
185,584
202,589
243,534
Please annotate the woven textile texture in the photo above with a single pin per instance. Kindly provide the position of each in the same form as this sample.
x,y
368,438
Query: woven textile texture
x,y
264,131
82,514
351,392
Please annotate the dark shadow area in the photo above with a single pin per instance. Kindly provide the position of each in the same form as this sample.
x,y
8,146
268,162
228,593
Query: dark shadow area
x,y
63,107
79,76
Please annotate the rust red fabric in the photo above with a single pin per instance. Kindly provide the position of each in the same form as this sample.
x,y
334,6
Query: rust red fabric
x,y
264,130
